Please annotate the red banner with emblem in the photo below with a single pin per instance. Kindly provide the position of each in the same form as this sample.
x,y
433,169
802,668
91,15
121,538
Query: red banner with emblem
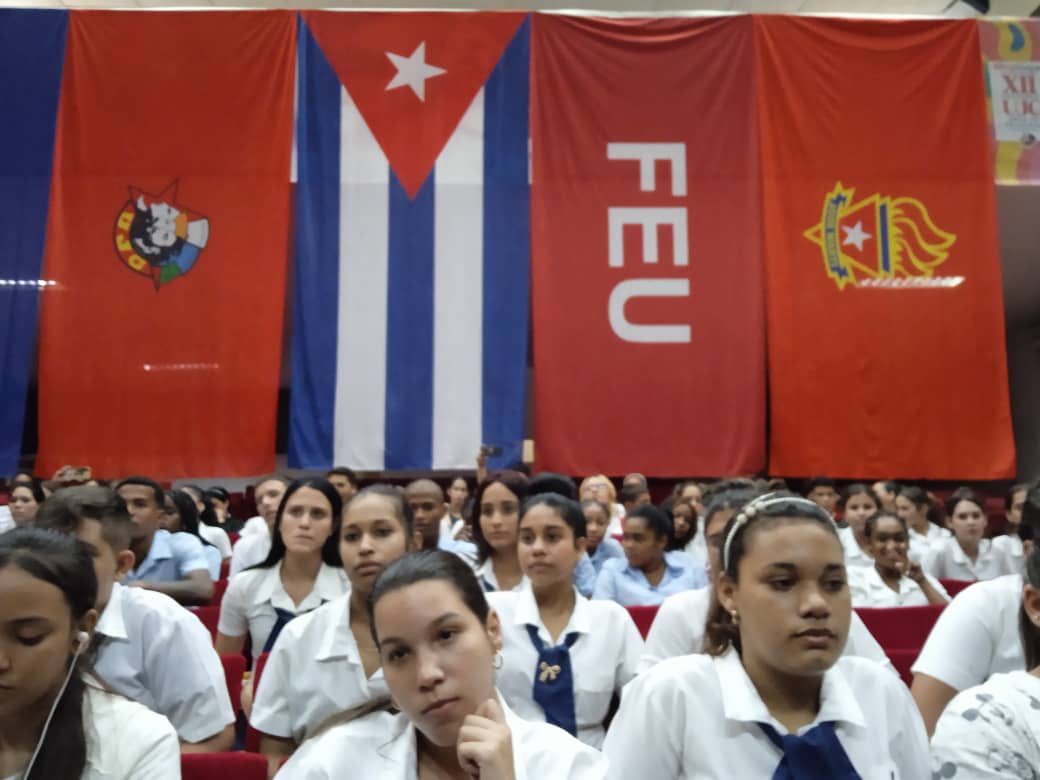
x,y
886,324
167,241
646,258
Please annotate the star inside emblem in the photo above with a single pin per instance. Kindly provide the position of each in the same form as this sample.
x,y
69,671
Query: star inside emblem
x,y
855,235
412,71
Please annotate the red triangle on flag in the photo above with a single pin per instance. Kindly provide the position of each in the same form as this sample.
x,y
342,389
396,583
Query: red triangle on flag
x,y
412,75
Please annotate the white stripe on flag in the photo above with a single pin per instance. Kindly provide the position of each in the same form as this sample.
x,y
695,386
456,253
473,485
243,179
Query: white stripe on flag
x,y
363,255
458,286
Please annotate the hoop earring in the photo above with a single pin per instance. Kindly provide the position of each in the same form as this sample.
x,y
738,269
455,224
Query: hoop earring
x,y
498,660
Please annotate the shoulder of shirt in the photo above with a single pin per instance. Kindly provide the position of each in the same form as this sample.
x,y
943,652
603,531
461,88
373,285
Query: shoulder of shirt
x,y
317,620
503,599
614,565
687,599
606,609
1006,590
143,601
663,676
867,675
367,733
113,714
544,738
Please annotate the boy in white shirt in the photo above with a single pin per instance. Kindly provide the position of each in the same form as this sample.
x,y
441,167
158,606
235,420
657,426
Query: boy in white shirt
x,y
255,541
150,649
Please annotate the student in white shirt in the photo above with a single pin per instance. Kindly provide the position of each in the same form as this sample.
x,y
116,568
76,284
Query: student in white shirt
x,y
678,627
967,555
857,503
301,572
210,529
600,488
150,649
992,730
496,510
427,502
438,642
325,662
54,721
254,544
923,520
1010,542
893,580
565,656
601,548
773,697
180,516
24,501
163,562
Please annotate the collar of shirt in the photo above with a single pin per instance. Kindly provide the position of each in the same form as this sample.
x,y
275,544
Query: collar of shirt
x,y
111,623
868,577
742,703
486,572
527,614
958,556
327,587
159,551
672,570
337,641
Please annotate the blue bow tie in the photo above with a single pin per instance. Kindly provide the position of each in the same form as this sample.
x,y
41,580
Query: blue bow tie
x,y
554,681
815,755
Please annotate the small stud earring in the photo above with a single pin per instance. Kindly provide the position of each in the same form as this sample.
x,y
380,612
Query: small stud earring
x,y
736,617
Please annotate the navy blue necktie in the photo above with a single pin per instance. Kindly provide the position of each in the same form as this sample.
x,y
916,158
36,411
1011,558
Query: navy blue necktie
x,y
284,616
554,681
816,755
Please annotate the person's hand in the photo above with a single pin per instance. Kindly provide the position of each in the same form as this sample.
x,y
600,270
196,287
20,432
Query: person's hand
x,y
913,570
485,745
465,533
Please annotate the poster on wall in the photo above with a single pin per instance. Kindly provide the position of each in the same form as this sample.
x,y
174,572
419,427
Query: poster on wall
x,y
1010,50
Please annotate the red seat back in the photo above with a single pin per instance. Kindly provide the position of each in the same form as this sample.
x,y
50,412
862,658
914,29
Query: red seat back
x,y
210,617
643,618
902,660
234,670
234,538
953,587
252,735
223,766
901,628
219,587
225,568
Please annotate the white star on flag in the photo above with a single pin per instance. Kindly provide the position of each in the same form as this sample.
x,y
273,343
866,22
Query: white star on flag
x,y
412,71
855,235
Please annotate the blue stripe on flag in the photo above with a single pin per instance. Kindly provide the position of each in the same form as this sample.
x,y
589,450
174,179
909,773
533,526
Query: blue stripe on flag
x,y
409,329
315,298
507,250
32,54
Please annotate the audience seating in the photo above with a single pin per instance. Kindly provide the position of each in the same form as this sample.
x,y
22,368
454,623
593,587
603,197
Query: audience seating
x,y
953,587
210,617
234,671
901,628
252,735
902,660
225,568
223,766
233,538
643,618
218,592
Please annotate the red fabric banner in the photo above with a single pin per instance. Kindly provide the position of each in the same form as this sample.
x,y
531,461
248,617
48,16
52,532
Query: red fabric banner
x,y
646,257
886,329
167,239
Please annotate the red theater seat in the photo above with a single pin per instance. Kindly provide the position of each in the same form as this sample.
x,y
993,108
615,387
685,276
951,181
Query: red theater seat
x,y
252,735
218,592
225,568
902,660
223,766
643,618
901,628
233,538
210,617
234,670
953,587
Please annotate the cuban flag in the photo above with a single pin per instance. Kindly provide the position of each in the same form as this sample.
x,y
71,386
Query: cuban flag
x,y
412,241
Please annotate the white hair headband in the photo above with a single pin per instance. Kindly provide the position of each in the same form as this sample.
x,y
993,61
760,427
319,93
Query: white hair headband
x,y
757,505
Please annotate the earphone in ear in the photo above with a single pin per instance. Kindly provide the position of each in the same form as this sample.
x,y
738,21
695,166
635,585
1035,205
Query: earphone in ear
x,y
82,638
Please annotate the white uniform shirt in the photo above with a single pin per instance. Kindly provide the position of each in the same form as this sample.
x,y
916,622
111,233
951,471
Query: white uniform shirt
x,y
383,746
6,521
217,537
921,544
990,732
975,636
697,717
869,590
948,561
252,597
249,551
678,629
603,658
155,652
314,671
486,576
854,555
1012,547
254,525
126,741
617,517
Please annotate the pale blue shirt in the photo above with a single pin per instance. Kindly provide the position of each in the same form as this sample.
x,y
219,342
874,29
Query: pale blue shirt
x,y
170,558
585,576
607,550
619,582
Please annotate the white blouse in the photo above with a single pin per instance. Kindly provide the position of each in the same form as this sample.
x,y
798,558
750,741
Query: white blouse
x,y
126,740
253,596
854,555
383,746
698,716
946,560
991,731
869,590
314,671
603,659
